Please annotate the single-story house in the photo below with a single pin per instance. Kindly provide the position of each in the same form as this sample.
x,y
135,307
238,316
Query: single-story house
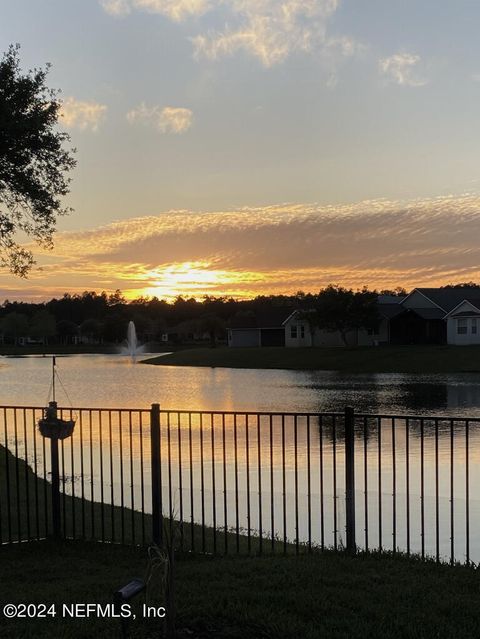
x,y
264,328
429,317
291,328
300,332
424,316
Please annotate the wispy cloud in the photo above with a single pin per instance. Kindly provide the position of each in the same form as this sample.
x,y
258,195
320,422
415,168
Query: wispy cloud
x,y
176,10
270,30
272,249
402,69
165,120
116,7
78,114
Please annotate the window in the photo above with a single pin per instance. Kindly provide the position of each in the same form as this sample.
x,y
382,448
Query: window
x,y
302,331
474,326
373,331
461,327
293,331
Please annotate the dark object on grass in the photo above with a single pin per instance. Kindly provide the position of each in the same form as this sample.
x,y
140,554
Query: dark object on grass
x,y
124,595
132,589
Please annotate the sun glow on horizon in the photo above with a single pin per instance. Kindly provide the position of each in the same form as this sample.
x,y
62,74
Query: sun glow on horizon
x,y
276,250
194,279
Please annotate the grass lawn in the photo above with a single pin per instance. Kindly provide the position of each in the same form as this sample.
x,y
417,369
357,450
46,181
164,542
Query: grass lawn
x,y
382,359
322,595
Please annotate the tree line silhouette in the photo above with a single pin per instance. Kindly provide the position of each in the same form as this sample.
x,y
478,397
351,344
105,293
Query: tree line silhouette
x,y
102,318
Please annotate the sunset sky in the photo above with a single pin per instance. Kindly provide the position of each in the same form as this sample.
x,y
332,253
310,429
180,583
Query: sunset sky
x,y
238,147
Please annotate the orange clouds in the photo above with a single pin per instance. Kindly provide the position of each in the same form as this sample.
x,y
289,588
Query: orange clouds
x,y
275,249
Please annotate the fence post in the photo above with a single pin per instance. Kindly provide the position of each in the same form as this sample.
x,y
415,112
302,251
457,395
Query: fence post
x,y
55,488
55,466
156,475
350,478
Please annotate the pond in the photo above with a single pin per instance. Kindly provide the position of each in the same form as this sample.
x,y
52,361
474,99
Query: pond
x,y
113,381
284,476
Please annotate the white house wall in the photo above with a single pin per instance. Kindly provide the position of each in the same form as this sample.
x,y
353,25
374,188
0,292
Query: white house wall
x,y
299,341
463,339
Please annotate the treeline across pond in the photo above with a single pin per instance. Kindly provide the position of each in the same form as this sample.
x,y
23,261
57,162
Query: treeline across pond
x,y
101,318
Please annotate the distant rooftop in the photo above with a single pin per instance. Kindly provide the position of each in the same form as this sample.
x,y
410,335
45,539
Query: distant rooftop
x,y
448,298
268,318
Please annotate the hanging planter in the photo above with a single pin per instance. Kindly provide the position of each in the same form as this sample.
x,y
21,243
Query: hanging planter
x,y
53,427
50,425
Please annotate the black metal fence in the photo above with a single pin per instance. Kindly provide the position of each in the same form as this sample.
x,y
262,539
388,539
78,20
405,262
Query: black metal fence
x,y
249,482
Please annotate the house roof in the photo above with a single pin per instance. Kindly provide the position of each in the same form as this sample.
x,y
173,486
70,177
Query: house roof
x,y
449,298
474,301
268,318
424,313
390,310
474,305
466,314
429,313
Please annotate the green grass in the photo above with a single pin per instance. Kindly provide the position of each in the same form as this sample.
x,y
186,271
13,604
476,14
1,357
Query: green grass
x,y
382,359
308,597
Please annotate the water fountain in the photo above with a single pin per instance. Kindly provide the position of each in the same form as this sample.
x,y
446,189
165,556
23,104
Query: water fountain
x,y
132,348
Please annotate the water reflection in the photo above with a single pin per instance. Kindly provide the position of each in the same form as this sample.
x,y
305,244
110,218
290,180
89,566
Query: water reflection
x,y
395,393
284,475
113,381
429,397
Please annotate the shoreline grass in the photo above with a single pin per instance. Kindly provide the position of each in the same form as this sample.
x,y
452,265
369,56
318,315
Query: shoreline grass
x,y
381,359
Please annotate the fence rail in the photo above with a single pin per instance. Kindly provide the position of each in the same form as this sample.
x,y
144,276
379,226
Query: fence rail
x,y
226,481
